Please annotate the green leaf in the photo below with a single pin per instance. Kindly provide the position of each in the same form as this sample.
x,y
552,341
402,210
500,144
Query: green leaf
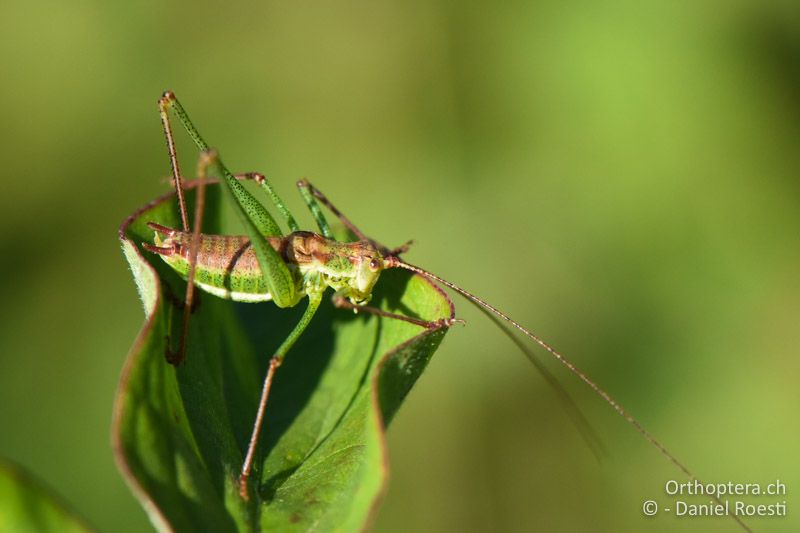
x,y
180,434
27,505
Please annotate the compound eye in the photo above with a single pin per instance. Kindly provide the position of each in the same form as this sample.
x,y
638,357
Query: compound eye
x,y
375,265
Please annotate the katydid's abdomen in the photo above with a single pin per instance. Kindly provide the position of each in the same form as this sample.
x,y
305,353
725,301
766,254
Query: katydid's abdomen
x,y
226,264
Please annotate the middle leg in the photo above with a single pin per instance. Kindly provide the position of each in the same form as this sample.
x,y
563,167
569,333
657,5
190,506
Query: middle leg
x,y
314,300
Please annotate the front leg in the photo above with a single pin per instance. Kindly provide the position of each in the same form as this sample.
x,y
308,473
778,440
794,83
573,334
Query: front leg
x,y
341,302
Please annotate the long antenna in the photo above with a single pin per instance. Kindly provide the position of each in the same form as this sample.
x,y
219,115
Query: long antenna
x,y
394,262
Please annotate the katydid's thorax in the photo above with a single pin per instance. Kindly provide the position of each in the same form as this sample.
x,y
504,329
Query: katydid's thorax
x,y
227,265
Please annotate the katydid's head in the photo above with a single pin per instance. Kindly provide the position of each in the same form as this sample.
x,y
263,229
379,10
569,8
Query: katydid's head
x,y
350,268
368,264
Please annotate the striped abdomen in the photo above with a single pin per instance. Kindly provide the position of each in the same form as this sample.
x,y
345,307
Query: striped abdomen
x,y
226,264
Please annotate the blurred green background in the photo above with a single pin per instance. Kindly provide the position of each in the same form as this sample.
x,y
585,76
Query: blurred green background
x,y
623,178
